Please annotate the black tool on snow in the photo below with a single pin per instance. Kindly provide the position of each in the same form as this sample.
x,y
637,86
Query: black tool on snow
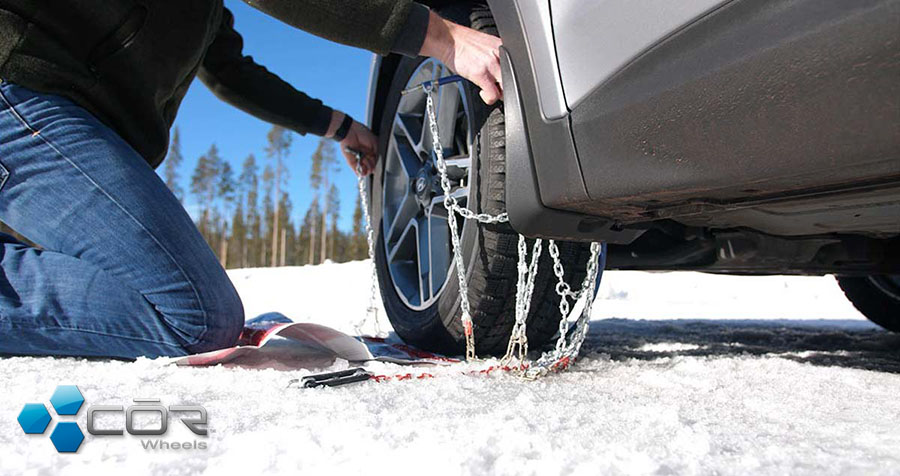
x,y
334,379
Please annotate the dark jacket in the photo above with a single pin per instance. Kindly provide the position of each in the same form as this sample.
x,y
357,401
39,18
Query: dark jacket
x,y
130,62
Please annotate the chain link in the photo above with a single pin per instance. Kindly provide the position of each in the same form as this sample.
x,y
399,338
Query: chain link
x,y
372,309
567,348
518,339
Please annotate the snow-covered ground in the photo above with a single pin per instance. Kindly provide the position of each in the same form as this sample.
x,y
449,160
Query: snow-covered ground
x,y
682,373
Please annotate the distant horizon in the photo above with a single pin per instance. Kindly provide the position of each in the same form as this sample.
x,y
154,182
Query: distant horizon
x,y
336,74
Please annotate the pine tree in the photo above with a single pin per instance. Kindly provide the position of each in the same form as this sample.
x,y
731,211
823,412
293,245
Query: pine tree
x,y
226,189
308,245
358,244
334,212
278,148
284,209
343,246
315,183
249,180
172,163
204,183
323,163
238,242
268,179
313,215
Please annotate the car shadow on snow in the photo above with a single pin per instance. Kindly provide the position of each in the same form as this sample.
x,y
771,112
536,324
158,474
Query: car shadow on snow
x,y
840,343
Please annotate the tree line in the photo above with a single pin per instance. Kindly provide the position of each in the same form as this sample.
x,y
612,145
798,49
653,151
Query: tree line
x,y
246,215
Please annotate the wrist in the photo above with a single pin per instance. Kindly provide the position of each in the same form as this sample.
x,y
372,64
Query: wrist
x,y
438,39
337,117
344,129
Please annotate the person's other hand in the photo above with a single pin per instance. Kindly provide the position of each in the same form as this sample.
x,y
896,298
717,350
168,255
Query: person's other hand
x,y
360,139
470,53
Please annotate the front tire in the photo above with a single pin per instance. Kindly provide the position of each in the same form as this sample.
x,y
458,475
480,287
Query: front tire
x,y
877,297
420,291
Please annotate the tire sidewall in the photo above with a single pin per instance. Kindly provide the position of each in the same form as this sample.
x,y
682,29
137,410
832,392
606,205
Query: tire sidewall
x,y
875,300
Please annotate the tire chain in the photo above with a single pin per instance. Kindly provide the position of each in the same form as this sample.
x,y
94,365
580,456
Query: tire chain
x,y
371,310
567,347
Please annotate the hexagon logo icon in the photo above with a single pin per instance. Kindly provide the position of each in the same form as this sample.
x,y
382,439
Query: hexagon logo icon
x,y
67,437
66,400
34,418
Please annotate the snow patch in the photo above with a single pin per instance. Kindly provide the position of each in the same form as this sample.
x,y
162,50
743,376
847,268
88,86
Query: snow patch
x,y
668,347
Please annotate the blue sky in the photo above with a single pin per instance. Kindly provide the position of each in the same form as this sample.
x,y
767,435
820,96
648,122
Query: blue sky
x,y
336,74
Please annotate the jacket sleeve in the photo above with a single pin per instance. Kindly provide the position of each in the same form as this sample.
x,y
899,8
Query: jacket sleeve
x,y
239,81
380,26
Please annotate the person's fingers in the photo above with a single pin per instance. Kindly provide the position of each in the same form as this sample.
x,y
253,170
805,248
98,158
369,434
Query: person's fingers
x,y
365,163
369,145
371,158
497,78
490,93
365,139
494,68
351,161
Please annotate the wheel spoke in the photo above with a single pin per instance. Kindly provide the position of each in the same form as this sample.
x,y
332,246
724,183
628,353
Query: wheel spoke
x,y
424,257
409,160
401,248
448,103
440,251
409,126
406,213
437,70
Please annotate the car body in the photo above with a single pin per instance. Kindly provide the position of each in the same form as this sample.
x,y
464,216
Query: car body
x,y
742,136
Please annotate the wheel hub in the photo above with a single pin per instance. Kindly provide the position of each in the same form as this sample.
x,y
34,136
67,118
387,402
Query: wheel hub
x,y
423,188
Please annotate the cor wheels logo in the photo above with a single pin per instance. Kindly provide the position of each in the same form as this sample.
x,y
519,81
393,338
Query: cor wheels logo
x,y
66,435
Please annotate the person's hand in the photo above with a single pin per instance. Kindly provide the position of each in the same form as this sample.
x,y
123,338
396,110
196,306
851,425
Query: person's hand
x,y
470,53
359,139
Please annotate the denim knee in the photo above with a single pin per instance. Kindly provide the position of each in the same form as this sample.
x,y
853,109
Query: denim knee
x,y
224,320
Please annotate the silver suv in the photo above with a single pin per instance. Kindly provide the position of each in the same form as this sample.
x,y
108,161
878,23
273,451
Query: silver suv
x,y
738,137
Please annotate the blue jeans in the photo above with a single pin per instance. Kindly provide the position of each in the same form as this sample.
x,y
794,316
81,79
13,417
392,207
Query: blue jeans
x,y
122,271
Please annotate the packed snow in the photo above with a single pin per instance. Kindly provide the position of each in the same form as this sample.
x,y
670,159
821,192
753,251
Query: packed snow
x,y
682,373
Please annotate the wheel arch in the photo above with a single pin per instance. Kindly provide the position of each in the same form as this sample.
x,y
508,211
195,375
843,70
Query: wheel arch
x,y
381,73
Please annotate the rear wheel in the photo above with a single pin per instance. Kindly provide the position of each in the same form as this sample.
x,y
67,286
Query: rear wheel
x,y
413,252
877,297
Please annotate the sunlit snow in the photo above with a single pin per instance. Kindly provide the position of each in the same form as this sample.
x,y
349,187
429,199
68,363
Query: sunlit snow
x,y
682,373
